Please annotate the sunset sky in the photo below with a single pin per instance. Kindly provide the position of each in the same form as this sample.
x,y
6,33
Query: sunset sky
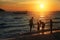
x,y
30,5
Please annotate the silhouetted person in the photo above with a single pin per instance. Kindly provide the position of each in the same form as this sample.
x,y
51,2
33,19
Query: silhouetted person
x,y
43,26
38,24
31,23
51,24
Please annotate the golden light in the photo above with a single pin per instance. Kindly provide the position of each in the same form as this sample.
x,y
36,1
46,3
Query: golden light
x,y
41,6
42,10
39,9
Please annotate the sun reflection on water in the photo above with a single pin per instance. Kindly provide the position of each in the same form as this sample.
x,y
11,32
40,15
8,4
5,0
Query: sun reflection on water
x,y
43,16
45,33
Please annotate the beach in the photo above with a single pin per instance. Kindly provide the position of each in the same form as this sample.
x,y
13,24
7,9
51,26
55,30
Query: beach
x,y
35,36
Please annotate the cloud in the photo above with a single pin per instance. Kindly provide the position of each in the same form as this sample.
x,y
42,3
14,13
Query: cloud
x,y
16,0
5,0
9,2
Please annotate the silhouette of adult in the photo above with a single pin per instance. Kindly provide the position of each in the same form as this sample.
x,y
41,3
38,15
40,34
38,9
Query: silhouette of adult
x,y
38,24
43,26
51,24
31,23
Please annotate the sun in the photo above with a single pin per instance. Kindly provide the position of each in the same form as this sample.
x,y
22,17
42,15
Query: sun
x,y
41,6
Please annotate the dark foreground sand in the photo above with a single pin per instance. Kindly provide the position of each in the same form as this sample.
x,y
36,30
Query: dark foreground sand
x,y
36,36
57,35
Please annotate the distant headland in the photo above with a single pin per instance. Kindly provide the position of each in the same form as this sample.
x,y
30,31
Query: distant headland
x,y
2,10
15,12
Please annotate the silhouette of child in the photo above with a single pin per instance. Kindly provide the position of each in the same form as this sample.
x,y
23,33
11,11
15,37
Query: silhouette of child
x,y
43,26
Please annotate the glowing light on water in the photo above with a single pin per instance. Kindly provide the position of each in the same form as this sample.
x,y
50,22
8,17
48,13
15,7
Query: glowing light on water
x,y
42,16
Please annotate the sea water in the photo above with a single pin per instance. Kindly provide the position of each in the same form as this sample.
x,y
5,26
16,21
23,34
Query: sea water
x,y
11,24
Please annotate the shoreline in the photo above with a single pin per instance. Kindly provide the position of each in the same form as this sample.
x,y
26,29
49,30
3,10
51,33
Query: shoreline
x,y
33,35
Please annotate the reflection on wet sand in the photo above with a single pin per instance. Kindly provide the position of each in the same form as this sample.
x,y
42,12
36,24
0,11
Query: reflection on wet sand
x,y
46,33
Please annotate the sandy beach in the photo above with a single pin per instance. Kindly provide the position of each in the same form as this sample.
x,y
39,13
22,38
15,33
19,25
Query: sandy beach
x,y
36,36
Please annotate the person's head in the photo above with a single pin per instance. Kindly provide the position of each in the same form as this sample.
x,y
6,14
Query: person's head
x,y
32,17
40,21
50,19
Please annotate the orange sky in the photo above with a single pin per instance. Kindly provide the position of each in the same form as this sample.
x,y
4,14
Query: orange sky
x,y
29,5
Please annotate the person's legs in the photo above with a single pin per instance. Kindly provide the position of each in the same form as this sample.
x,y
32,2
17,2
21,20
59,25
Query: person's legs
x,y
42,30
43,26
32,25
38,28
51,30
30,28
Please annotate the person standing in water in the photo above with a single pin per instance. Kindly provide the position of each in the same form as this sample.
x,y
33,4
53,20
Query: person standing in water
x,y
39,25
43,26
31,24
51,24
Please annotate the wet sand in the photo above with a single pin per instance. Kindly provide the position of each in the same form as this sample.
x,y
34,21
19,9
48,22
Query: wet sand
x,y
36,36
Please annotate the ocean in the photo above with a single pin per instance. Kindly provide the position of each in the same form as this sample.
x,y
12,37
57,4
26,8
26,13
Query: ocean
x,y
12,24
